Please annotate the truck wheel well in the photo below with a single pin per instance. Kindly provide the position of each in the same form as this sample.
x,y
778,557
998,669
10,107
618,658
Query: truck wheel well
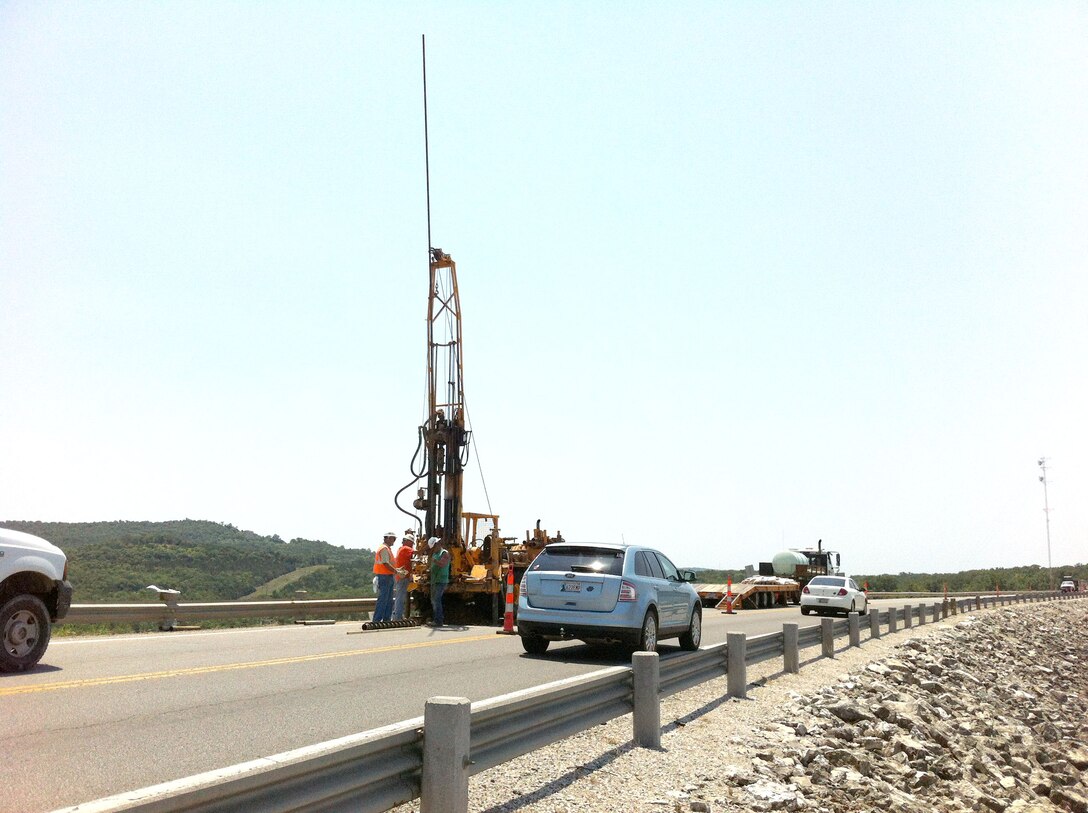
x,y
27,582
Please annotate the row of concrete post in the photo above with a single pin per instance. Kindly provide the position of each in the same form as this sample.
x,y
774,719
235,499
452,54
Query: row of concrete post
x,y
447,720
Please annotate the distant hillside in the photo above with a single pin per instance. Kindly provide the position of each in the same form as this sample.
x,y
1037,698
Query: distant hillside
x,y
206,561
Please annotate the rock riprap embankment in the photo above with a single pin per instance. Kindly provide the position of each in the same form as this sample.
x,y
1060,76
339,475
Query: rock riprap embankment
x,y
990,713
982,712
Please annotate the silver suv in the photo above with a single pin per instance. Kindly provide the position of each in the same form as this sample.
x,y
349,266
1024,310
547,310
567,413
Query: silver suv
x,y
607,594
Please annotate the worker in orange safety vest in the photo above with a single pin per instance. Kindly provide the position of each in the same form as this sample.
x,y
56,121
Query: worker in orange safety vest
x,y
383,572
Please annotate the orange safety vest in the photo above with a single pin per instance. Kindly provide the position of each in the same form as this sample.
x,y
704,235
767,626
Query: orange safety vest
x,y
380,568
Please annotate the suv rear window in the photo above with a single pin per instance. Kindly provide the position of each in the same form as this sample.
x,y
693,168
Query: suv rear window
x,y
580,560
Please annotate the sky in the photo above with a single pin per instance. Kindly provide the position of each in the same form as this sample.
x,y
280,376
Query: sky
x,y
734,276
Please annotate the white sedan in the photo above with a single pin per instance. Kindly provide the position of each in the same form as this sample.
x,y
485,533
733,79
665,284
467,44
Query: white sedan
x,y
833,594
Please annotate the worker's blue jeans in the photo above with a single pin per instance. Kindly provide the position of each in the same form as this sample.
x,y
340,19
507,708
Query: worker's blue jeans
x,y
438,590
383,610
400,598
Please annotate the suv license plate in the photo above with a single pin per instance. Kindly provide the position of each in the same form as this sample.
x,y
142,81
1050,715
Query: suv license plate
x,y
571,587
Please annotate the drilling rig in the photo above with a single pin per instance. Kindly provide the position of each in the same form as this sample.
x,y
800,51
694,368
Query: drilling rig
x,y
481,557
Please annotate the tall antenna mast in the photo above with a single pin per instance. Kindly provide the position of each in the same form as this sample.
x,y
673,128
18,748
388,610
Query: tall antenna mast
x,y
426,147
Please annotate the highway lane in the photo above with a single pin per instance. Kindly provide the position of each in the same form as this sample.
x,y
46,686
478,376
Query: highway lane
x,y
101,715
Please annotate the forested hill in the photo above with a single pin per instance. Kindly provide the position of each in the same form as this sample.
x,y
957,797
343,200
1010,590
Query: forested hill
x,y
206,561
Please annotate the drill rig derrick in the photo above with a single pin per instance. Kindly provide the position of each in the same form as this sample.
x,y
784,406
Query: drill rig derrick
x,y
445,438
479,556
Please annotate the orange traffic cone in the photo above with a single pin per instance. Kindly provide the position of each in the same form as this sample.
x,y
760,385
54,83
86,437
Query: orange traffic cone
x,y
508,621
728,597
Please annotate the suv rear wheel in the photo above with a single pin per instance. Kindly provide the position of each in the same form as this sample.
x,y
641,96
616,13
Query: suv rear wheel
x,y
690,640
647,637
25,631
535,644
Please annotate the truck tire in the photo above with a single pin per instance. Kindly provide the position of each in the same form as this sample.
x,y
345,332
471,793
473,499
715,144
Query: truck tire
x,y
691,639
25,631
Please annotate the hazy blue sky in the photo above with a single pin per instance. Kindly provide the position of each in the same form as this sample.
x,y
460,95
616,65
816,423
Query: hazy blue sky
x,y
735,276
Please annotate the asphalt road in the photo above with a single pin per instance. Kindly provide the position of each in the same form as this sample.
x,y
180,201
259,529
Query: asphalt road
x,y
101,715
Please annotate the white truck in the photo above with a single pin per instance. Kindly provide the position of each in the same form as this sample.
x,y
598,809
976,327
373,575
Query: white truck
x,y
34,593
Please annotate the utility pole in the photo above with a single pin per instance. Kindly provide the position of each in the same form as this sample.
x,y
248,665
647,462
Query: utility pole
x,y
1046,511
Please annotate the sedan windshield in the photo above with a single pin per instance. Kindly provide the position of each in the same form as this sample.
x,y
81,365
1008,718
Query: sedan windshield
x,y
580,560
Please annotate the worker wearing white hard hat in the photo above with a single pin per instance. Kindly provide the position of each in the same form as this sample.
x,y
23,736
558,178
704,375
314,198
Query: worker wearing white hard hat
x,y
384,570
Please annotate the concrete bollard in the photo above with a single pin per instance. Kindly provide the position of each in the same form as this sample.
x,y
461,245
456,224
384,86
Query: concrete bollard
x,y
827,628
855,629
446,725
893,621
791,654
921,614
874,624
736,645
646,670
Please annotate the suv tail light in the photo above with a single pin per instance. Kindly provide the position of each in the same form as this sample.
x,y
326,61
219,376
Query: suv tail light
x,y
523,588
842,591
627,591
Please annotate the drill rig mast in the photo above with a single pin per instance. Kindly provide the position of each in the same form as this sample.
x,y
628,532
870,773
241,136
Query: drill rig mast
x,y
480,558
445,438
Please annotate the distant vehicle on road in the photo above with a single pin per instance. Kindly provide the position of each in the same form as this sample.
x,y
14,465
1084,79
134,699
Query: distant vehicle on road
x,y
833,594
34,593
608,594
1069,585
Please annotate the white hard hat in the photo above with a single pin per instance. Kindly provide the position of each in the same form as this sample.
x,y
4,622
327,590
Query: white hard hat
x,y
434,540
390,534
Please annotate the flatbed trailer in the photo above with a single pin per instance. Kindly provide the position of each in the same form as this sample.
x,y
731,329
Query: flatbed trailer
x,y
750,595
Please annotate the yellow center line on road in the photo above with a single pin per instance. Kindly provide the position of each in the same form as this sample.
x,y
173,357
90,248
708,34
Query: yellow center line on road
x,y
226,667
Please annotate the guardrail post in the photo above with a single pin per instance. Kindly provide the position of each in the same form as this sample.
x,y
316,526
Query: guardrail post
x,y
944,609
893,620
908,616
936,612
827,628
446,725
978,603
855,629
646,671
791,656
874,624
921,614
736,645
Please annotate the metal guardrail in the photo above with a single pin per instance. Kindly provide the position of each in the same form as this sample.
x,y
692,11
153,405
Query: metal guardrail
x,y
511,726
168,612
684,671
377,770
